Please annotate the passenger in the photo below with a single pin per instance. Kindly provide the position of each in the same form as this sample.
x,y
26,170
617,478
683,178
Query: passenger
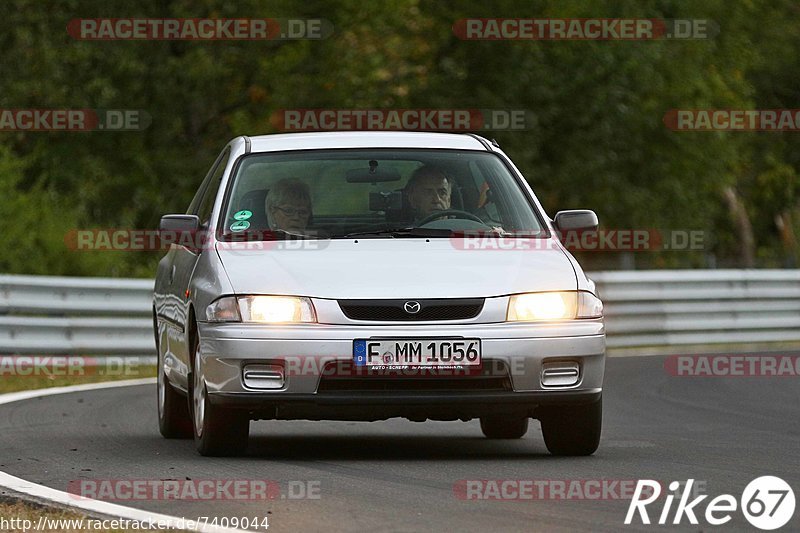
x,y
288,205
428,190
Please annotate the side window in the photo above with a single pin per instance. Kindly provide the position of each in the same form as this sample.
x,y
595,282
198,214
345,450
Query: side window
x,y
486,201
211,188
199,194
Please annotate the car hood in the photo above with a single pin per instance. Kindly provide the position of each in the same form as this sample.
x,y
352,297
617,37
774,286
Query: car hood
x,y
393,268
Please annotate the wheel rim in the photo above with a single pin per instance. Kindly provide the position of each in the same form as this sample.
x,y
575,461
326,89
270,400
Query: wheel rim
x,y
198,394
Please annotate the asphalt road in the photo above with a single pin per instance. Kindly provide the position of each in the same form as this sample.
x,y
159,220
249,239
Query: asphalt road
x,y
399,476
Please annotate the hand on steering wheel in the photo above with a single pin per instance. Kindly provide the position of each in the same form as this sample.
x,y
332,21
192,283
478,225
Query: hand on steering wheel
x,y
458,213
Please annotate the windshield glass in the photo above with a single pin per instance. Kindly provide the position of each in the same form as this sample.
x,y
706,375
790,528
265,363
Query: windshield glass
x,y
375,193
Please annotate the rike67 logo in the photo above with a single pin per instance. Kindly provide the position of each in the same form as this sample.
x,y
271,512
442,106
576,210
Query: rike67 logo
x,y
767,502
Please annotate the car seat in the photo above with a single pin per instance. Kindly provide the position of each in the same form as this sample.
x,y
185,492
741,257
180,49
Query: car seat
x,y
255,202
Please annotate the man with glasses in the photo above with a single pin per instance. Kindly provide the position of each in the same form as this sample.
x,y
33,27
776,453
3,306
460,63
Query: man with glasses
x,y
288,205
428,190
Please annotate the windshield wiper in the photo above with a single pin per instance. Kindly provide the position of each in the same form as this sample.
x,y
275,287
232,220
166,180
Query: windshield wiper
x,y
400,233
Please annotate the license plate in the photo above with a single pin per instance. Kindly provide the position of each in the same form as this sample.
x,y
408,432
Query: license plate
x,y
417,352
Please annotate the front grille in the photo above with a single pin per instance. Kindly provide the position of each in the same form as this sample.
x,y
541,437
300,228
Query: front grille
x,y
394,310
492,376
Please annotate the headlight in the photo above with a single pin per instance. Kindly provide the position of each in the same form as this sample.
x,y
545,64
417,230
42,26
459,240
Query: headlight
x,y
262,309
271,309
553,306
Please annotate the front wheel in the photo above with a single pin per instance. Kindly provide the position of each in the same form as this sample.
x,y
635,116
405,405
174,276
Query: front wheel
x,y
174,421
217,431
572,429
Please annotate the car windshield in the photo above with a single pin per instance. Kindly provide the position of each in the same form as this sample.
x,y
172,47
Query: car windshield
x,y
375,194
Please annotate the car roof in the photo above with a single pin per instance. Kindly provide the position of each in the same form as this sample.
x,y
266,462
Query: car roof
x,y
366,139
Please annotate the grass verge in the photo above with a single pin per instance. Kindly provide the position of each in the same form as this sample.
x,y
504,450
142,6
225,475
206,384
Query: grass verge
x,y
24,517
37,372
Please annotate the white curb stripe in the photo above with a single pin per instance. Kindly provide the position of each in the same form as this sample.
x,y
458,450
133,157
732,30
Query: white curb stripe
x,y
41,492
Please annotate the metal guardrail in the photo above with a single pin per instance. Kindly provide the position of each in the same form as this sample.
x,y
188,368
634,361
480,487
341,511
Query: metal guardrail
x,y
55,315
684,307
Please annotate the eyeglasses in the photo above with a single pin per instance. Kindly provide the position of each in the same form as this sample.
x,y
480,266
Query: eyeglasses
x,y
291,211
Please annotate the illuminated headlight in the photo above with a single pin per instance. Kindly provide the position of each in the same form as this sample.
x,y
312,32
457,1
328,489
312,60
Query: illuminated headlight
x,y
261,309
272,309
553,306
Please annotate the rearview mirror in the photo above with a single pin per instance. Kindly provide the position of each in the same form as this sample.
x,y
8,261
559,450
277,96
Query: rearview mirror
x,y
373,174
576,220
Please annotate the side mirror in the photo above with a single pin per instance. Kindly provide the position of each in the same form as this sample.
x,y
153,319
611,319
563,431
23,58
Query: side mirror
x,y
173,229
179,223
576,220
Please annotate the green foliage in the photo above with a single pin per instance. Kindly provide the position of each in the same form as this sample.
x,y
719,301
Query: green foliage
x,y
598,140
35,221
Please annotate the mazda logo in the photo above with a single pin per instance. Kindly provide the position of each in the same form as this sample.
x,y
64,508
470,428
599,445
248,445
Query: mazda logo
x,y
412,308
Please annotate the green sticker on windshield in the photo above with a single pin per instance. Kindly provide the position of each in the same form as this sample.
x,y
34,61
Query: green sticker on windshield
x,y
240,226
244,214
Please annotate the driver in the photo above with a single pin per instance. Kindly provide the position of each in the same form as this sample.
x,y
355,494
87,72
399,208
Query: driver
x,y
428,191
288,205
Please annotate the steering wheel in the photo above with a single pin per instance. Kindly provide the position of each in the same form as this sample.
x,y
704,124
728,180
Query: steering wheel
x,y
446,212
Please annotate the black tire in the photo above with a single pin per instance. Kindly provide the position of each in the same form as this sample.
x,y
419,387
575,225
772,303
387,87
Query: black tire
x,y
218,432
500,427
174,421
572,429
224,434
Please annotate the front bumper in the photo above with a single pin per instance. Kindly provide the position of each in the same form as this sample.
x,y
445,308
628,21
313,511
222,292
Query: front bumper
x,y
304,349
414,406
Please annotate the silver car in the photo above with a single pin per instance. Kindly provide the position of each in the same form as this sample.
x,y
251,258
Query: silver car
x,y
364,276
